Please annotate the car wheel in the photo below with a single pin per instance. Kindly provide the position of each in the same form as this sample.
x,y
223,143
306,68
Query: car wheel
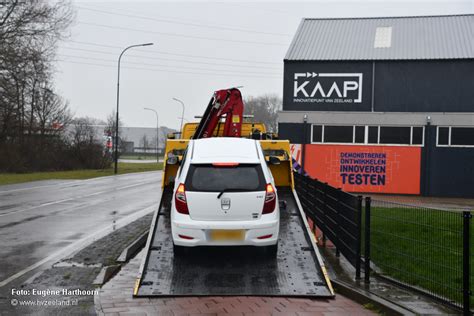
x,y
271,251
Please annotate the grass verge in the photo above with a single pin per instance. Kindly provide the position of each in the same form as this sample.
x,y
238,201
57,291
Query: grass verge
x,y
421,247
139,157
11,178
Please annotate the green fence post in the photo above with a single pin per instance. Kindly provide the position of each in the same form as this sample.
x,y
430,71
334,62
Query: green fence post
x,y
367,241
466,258
359,235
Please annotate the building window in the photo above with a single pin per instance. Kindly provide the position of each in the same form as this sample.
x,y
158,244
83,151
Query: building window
x,y
372,135
338,134
417,136
462,136
359,137
455,136
443,136
395,135
317,135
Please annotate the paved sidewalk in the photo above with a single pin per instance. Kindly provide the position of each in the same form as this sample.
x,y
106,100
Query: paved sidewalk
x,y
115,298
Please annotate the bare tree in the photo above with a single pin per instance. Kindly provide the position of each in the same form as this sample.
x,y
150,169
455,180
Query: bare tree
x,y
264,109
38,23
111,123
31,113
144,143
155,143
87,149
83,132
52,112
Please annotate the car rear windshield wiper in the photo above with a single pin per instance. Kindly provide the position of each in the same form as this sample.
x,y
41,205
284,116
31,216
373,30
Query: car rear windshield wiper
x,y
232,190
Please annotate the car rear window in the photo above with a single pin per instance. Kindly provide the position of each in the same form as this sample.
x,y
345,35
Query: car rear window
x,y
209,178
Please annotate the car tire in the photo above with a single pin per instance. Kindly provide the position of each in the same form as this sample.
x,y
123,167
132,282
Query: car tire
x,y
271,251
179,250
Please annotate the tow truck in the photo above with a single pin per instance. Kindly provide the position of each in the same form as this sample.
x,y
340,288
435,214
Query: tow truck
x,y
297,270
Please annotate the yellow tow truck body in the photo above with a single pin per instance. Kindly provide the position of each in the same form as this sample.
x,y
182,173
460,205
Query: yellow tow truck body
x,y
282,173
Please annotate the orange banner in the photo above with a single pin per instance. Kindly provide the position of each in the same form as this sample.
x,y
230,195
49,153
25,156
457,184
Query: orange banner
x,y
356,168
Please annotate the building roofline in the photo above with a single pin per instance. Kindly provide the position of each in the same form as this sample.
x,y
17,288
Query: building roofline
x,y
381,60
388,17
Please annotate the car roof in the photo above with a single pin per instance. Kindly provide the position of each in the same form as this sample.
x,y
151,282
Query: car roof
x,y
224,149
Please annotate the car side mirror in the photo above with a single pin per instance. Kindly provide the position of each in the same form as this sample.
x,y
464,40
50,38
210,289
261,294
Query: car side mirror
x,y
173,160
273,160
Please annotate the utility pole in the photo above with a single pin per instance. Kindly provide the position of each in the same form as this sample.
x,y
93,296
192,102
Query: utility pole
x,y
115,143
157,134
182,114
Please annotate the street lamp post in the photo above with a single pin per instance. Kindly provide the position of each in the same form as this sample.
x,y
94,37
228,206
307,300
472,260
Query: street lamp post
x,y
115,143
182,114
157,134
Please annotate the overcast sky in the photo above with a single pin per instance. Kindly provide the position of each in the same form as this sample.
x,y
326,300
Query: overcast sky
x,y
198,47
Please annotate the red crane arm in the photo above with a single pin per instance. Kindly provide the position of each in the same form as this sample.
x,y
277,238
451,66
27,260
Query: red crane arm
x,y
228,103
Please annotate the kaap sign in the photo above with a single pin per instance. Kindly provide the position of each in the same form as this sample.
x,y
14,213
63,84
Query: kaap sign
x,y
311,87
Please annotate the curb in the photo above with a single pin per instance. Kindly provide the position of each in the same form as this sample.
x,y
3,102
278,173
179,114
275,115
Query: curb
x,y
109,271
133,248
106,274
364,297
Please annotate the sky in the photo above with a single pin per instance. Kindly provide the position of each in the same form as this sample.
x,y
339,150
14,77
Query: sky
x,y
199,47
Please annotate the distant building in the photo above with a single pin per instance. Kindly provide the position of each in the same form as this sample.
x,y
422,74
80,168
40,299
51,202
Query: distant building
x,y
383,105
135,135
132,137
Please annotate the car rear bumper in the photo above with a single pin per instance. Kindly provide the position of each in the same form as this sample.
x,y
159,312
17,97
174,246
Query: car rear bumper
x,y
201,232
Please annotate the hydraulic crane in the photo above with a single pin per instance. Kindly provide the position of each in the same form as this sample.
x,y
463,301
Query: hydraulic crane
x,y
224,103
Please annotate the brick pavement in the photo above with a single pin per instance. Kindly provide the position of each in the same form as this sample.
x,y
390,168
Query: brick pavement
x,y
115,298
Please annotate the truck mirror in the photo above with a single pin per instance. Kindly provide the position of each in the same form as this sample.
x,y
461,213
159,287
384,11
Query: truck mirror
x,y
273,160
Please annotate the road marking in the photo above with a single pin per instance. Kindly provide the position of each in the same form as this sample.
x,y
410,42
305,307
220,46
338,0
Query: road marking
x,y
79,181
81,243
75,198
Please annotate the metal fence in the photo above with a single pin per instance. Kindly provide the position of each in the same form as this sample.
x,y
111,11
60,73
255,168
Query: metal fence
x,y
428,250
336,213
424,248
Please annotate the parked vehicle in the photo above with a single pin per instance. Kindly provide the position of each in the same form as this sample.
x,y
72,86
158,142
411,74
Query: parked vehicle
x,y
225,195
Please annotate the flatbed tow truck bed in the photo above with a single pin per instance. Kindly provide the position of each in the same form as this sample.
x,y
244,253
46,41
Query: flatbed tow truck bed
x,y
297,271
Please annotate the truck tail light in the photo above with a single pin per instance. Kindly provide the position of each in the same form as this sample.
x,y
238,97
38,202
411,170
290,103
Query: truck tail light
x,y
180,200
270,200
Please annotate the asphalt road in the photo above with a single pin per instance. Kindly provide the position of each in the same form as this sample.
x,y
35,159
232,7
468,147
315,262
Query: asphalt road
x,y
41,222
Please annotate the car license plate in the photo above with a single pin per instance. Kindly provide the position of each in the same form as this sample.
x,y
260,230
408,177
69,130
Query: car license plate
x,y
227,234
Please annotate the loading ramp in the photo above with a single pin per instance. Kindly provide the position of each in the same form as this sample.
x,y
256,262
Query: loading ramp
x,y
297,271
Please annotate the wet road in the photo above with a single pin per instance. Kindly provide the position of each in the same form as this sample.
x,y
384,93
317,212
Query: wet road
x,y
40,222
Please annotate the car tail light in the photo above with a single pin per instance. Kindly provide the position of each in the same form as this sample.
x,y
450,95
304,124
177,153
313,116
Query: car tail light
x,y
265,236
225,164
270,200
185,237
180,200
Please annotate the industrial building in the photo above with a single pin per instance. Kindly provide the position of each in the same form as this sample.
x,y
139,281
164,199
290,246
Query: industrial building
x,y
383,105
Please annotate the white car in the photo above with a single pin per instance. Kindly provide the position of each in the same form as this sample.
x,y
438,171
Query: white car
x,y
225,195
